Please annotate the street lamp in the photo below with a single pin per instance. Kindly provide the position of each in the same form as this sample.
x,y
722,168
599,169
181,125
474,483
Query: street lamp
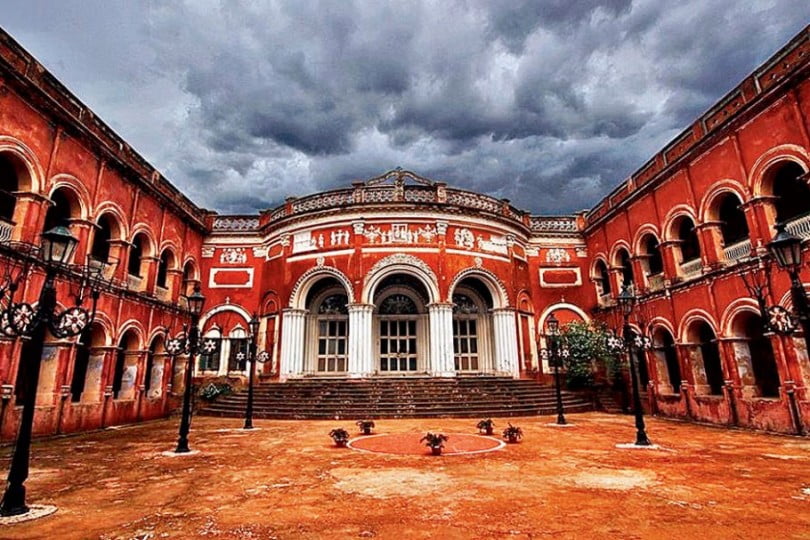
x,y
627,301
254,333
188,343
786,249
21,319
555,353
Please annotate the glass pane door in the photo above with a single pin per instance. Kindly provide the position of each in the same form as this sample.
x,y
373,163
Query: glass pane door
x,y
397,345
465,344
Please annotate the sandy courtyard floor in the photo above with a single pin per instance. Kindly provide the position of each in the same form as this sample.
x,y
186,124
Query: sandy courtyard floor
x,y
286,480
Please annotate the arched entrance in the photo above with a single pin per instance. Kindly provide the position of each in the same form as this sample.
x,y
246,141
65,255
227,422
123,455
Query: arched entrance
x,y
753,352
327,332
705,358
472,327
399,322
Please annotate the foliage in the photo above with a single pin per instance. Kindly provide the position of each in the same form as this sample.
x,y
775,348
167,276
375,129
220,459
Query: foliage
x,y
485,424
365,425
512,432
434,440
214,390
588,352
339,435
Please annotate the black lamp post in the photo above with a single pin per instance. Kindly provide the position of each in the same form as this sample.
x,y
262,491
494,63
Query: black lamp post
x,y
188,343
555,354
627,301
20,319
786,249
254,330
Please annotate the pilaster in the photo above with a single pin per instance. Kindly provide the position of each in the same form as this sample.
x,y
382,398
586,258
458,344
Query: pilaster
x,y
292,343
505,334
361,352
440,317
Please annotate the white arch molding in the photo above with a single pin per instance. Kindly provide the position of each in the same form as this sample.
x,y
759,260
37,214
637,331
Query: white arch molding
x,y
298,296
223,308
497,289
404,264
561,305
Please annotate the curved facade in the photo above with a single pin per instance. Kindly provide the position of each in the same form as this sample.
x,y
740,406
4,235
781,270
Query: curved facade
x,y
398,275
401,275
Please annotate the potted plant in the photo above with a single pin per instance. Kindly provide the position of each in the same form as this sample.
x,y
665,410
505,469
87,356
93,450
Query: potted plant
x,y
340,436
512,433
435,441
365,426
485,426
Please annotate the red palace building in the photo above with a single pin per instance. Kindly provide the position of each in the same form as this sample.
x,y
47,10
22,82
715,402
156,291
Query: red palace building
x,y
401,275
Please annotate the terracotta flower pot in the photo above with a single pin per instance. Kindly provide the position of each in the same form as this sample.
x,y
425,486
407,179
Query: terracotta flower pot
x,y
489,431
513,439
436,450
366,431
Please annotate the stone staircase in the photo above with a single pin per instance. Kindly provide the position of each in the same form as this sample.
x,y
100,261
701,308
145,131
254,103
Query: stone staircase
x,y
412,397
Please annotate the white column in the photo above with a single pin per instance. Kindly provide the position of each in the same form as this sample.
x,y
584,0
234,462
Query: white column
x,y
441,340
292,343
505,334
361,348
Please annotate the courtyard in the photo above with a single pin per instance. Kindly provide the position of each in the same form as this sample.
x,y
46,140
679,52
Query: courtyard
x,y
287,480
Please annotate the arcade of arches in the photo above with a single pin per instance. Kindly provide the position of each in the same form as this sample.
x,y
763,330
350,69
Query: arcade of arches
x,y
402,275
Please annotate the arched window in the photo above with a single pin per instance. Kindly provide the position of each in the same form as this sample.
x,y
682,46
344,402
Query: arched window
x,y
732,219
602,279
136,253
791,191
189,278
211,351
64,208
333,327
9,185
126,366
651,262
165,263
688,247
153,376
705,359
756,352
237,357
627,268
86,380
667,360
472,326
100,250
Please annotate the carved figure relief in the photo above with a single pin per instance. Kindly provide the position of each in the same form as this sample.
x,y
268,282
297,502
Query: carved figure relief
x,y
464,237
399,233
495,244
232,255
557,256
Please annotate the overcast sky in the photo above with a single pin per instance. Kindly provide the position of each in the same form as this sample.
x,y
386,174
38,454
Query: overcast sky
x,y
550,104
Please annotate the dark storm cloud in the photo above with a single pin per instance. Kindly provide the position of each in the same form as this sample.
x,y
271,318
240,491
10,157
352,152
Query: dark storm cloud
x,y
550,104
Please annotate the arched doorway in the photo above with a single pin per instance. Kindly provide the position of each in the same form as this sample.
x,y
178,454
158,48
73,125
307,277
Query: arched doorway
x,y
754,355
399,323
705,356
85,384
327,331
472,327
669,370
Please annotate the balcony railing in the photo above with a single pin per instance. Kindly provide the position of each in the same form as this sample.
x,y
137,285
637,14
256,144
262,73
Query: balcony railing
x,y
655,282
737,252
799,226
691,269
6,227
